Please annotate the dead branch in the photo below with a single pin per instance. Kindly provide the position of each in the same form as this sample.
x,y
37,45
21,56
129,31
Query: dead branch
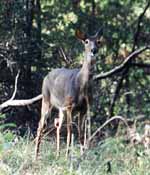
x,y
24,102
65,58
119,68
108,121
132,135
15,90
20,102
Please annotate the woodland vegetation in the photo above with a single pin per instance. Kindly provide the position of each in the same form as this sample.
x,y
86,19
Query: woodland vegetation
x,y
37,36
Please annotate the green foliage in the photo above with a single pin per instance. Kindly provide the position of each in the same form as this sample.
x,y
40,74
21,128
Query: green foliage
x,y
3,125
6,136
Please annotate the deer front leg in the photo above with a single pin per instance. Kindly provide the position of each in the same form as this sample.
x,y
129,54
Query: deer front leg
x,y
58,125
88,118
46,108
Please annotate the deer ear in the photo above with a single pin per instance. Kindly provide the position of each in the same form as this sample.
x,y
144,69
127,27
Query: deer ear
x,y
80,35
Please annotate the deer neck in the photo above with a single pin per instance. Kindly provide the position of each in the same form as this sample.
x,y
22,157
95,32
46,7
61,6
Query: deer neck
x,y
85,71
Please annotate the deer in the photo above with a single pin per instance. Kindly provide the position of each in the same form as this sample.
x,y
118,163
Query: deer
x,y
69,90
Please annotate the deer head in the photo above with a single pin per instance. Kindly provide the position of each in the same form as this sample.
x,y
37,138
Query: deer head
x,y
91,44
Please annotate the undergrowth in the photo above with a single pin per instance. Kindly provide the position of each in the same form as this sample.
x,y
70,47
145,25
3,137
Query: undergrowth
x,y
110,156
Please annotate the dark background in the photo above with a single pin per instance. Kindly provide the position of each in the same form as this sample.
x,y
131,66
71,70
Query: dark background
x,y
32,32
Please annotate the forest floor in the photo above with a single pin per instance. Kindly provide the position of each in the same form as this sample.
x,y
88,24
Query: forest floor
x,y
110,156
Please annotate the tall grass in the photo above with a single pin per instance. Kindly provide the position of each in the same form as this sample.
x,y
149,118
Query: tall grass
x,y
111,156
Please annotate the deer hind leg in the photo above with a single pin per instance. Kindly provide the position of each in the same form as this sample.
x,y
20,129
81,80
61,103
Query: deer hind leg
x,y
81,131
45,110
69,129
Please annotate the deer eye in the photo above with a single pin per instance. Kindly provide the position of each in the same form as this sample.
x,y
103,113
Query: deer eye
x,y
86,41
98,42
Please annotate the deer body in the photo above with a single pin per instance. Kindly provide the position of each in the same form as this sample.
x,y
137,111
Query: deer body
x,y
61,84
68,90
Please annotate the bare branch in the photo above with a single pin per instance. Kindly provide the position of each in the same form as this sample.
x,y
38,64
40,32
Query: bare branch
x,y
67,60
15,90
24,102
136,35
20,102
108,121
122,65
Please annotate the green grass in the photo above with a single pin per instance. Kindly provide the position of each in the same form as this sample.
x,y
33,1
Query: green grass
x,y
112,156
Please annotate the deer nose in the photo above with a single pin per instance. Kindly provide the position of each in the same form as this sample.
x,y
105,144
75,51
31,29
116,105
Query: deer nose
x,y
94,50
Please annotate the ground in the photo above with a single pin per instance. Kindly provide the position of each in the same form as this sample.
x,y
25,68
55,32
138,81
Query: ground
x,y
111,156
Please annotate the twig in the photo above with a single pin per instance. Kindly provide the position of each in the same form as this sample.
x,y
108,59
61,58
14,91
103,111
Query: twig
x,y
67,61
108,121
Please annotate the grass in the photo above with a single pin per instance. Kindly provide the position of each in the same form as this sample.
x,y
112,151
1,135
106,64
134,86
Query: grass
x,y
111,156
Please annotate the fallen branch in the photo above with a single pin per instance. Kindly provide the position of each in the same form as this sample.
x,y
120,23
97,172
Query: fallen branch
x,y
108,121
119,68
20,102
24,102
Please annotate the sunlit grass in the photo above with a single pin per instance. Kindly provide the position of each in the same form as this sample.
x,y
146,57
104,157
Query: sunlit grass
x,y
112,156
